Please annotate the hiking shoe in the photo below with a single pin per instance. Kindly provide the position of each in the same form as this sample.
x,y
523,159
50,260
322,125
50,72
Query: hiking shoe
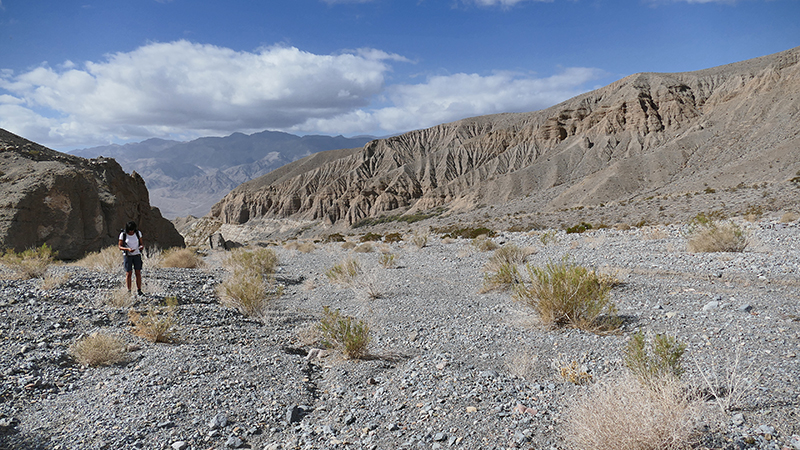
x,y
139,293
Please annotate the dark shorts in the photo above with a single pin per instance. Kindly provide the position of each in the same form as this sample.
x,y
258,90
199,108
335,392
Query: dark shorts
x,y
131,262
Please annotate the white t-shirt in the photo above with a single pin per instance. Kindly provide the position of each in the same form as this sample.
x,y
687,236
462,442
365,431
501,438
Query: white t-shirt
x,y
131,241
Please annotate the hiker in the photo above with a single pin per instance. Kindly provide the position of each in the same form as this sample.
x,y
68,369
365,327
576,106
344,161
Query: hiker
x,y
131,244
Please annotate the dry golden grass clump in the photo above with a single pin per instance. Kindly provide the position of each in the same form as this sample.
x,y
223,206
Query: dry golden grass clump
x,y
347,245
345,333
707,234
566,294
387,260
154,326
52,281
98,349
248,292
484,244
302,247
789,216
30,263
107,260
118,298
623,413
364,248
181,258
419,239
502,278
345,272
261,260
508,254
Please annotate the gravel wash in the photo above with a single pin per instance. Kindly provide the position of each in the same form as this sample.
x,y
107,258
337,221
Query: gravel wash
x,y
448,366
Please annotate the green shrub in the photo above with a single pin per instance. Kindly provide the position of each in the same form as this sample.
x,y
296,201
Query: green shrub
x,y
387,260
548,237
566,294
580,228
655,360
31,263
334,237
453,232
345,333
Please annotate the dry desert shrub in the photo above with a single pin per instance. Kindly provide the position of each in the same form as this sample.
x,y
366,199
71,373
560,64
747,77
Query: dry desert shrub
x,y
367,286
364,248
248,292
261,260
182,258
349,245
573,372
509,254
118,298
623,413
729,389
707,234
98,349
503,278
302,247
154,326
30,263
345,333
789,216
566,294
52,281
345,272
387,260
484,244
419,239
107,260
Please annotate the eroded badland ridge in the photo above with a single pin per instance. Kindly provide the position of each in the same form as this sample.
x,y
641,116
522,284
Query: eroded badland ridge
x,y
649,135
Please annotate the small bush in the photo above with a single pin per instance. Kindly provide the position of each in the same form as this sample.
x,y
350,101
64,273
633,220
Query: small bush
x,y
344,333
503,278
118,298
31,263
262,261
580,228
344,272
370,237
182,258
419,239
107,260
51,281
625,414
387,260
302,247
390,238
364,248
789,216
484,244
575,373
155,327
566,294
548,237
98,349
508,254
333,237
656,360
716,237
464,233
349,245
248,292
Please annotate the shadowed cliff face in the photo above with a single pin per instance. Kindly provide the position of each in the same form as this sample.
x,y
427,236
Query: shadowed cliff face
x,y
72,204
645,134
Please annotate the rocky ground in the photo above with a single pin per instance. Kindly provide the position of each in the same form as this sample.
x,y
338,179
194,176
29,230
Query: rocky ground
x,y
448,366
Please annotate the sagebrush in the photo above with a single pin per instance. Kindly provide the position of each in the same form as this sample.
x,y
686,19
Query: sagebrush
x,y
99,349
345,333
653,361
248,292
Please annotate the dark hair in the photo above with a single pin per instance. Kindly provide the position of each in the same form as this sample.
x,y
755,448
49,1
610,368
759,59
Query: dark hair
x,y
130,226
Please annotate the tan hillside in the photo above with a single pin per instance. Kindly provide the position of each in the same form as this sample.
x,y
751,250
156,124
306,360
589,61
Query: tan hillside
x,y
644,135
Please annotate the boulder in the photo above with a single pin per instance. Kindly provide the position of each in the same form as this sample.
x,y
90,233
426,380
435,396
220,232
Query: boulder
x,y
74,205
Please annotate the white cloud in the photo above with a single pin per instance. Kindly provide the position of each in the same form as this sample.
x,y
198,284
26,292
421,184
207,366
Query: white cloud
x,y
504,3
182,90
185,88
447,98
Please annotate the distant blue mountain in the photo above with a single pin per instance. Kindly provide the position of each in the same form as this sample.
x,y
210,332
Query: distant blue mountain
x,y
187,178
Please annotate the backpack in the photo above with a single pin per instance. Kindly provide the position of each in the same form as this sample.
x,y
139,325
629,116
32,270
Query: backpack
x,y
125,238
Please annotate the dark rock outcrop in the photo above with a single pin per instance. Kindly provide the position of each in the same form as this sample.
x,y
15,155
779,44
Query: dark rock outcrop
x,y
74,205
647,134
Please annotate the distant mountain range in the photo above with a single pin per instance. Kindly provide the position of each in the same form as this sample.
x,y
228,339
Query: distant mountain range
x,y
187,178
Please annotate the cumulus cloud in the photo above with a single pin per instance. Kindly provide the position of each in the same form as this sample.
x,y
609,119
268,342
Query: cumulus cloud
x,y
447,98
186,88
183,90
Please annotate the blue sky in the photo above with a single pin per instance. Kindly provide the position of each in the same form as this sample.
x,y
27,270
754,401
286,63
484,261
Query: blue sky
x,y
83,73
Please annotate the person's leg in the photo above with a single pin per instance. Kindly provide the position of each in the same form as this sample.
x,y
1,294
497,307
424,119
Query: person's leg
x,y
139,280
128,279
